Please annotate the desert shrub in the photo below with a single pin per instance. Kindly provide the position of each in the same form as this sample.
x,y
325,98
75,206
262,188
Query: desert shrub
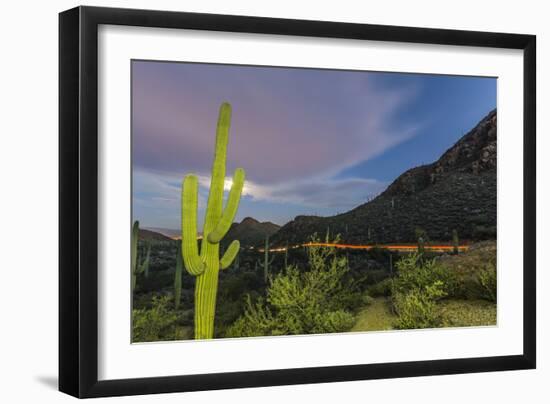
x,y
417,308
383,288
415,273
475,272
154,324
468,287
314,301
186,317
367,300
234,286
334,321
487,279
420,284
376,275
233,289
379,254
227,311
183,333
158,280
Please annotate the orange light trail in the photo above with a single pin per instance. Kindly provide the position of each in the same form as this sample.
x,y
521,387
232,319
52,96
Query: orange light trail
x,y
391,247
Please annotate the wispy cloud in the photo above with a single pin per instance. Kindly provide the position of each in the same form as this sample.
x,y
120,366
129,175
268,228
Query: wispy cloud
x,y
287,124
343,193
158,194
293,131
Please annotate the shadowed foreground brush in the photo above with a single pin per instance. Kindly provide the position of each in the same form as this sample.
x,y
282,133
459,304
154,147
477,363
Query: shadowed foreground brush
x,y
315,301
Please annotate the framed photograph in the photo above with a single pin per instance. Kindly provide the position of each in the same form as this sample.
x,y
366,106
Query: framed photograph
x,y
251,201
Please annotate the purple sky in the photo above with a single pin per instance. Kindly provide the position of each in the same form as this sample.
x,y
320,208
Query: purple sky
x,y
302,135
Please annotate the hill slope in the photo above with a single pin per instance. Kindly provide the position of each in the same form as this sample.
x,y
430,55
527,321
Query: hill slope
x,y
458,191
251,232
145,234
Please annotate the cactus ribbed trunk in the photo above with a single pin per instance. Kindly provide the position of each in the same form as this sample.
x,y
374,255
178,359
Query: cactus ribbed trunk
x,y
206,291
207,265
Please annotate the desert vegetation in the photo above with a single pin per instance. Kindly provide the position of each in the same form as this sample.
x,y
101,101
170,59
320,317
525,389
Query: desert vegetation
x,y
258,279
319,290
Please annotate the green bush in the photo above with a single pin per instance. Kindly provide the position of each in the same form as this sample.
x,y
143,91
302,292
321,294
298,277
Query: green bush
x,y
375,276
154,324
333,321
314,301
367,300
487,278
379,254
164,279
417,288
383,288
416,273
418,308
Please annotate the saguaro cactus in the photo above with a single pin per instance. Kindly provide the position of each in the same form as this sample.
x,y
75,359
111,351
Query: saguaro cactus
x,y
236,263
286,256
138,268
147,259
267,262
455,242
207,264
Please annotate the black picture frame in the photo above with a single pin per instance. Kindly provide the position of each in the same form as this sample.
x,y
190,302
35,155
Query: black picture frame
x,y
78,201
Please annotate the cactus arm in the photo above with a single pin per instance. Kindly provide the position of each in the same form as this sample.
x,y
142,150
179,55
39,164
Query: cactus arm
x,y
177,279
230,254
189,249
215,197
231,207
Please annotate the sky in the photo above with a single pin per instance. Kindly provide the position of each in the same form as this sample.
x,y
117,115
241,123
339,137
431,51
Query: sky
x,y
312,141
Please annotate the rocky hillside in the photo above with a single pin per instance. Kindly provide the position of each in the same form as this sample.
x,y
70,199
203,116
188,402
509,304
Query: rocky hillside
x,y
458,191
251,232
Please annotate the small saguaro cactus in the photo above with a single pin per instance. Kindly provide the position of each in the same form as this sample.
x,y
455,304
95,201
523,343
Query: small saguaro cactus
x,y
147,259
421,237
286,256
455,242
138,268
267,261
236,263
206,265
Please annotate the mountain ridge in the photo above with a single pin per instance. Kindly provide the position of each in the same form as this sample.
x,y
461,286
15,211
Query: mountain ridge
x,y
251,232
457,191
